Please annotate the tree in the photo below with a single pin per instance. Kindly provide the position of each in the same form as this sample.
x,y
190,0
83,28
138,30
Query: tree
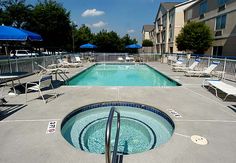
x,y
107,41
82,36
147,43
15,13
196,37
126,40
52,22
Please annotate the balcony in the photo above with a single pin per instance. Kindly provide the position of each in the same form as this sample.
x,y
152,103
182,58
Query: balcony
x,y
202,16
222,8
218,33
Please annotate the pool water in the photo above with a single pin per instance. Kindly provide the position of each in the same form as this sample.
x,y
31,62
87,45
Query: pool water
x,y
121,75
141,129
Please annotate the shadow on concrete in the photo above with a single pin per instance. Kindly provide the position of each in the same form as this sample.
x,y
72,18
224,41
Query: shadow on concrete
x,y
221,94
8,109
48,97
20,89
233,107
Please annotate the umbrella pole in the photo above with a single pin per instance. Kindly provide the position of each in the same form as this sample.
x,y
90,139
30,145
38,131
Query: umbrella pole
x,y
10,68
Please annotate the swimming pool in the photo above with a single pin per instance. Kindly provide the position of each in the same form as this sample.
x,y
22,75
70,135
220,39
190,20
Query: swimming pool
x,y
142,127
121,75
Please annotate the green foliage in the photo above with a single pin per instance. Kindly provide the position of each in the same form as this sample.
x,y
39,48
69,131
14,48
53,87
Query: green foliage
x,y
147,43
15,13
126,40
52,21
83,35
107,41
196,37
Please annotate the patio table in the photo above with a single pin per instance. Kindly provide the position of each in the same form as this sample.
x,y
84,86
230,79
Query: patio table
x,y
12,77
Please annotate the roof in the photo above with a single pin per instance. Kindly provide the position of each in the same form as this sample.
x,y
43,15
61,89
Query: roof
x,y
166,6
169,5
148,28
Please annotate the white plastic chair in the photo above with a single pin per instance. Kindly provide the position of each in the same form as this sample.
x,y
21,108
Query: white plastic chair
x,y
180,62
206,72
44,82
45,70
77,59
2,99
66,64
220,85
183,68
129,59
120,59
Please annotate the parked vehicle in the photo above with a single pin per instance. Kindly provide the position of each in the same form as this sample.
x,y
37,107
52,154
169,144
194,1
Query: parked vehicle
x,y
22,53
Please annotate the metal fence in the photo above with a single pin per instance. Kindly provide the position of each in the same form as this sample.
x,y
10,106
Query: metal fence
x,y
113,57
28,64
25,64
226,67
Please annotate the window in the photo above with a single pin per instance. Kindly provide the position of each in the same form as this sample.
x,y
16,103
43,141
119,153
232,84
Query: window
x,y
217,50
189,14
220,22
203,7
170,34
164,22
171,17
171,50
163,36
222,2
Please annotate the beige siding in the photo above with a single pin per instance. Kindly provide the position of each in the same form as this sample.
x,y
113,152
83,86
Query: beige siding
x,y
229,48
227,39
174,26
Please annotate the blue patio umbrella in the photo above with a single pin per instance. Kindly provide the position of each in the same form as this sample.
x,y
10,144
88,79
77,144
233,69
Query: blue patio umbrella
x,y
8,33
88,46
133,46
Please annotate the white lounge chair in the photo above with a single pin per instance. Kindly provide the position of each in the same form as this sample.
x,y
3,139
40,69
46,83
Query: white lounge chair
x,y
183,68
120,59
220,85
129,59
206,72
65,64
77,59
45,70
2,99
179,63
44,82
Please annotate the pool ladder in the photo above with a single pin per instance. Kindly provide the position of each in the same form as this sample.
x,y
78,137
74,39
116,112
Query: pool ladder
x,y
64,77
115,158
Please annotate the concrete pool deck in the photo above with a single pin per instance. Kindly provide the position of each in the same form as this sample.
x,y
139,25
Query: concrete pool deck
x,y
23,135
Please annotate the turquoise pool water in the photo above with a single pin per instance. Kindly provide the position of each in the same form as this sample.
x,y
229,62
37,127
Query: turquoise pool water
x,y
121,75
142,128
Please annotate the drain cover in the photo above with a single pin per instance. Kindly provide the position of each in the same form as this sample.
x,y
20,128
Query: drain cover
x,y
199,140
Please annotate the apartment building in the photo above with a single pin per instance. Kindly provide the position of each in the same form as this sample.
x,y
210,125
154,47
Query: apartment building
x,y
220,16
168,23
147,32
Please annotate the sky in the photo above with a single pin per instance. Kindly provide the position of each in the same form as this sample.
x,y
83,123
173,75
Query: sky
x,y
121,16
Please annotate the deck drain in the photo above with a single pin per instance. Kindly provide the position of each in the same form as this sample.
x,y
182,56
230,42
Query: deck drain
x,y
199,140
174,113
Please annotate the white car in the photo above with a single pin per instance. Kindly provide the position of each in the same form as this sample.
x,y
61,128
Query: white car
x,y
22,53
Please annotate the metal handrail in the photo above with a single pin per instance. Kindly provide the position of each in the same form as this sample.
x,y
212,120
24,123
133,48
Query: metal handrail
x,y
108,136
59,71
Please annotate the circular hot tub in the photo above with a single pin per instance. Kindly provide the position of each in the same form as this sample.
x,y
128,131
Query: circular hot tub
x,y
142,127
